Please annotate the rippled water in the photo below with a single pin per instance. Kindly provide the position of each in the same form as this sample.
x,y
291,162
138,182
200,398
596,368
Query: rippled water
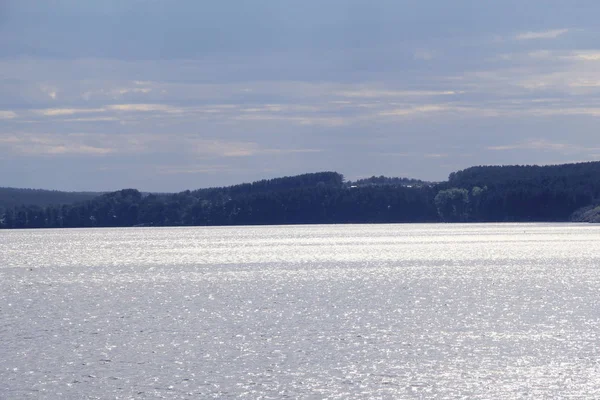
x,y
348,311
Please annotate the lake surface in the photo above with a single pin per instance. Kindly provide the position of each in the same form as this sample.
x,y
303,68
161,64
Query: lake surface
x,y
477,311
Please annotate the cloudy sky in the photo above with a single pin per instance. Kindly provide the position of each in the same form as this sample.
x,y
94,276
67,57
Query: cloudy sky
x,y
167,95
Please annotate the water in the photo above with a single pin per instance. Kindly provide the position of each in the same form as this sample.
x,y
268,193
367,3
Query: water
x,y
499,311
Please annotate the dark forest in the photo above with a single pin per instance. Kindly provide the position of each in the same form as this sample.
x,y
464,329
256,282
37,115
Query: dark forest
x,y
558,193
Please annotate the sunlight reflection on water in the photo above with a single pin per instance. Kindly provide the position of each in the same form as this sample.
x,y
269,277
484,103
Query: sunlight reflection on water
x,y
360,311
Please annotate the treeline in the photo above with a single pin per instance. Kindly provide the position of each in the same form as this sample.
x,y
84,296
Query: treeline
x,y
304,199
384,180
488,194
519,193
13,197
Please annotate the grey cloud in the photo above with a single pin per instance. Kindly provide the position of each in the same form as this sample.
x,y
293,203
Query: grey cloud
x,y
168,95
549,34
191,29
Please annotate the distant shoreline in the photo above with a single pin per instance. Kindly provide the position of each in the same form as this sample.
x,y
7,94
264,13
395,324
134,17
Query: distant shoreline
x,y
557,193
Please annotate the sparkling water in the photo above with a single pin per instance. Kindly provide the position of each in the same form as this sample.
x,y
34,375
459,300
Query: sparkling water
x,y
479,311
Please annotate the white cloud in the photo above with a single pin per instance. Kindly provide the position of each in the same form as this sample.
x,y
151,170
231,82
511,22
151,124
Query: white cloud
x,y
47,144
537,144
264,108
586,55
567,110
74,148
50,91
550,34
310,120
290,151
54,112
123,91
417,110
375,93
542,73
544,145
146,108
221,148
91,119
585,83
8,115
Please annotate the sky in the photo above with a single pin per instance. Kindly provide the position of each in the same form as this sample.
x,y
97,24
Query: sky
x,y
169,95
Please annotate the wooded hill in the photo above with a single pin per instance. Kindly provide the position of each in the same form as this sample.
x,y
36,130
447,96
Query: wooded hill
x,y
13,197
477,194
523,193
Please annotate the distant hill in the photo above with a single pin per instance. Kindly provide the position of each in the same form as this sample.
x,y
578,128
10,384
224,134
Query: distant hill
x,y
526,192
569,192
13,197
587,173
276,184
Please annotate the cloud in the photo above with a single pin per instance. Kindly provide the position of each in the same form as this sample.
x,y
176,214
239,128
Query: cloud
x,y
377,93
543,145
291,151
70,148
538,144
146,108
193,145
307,120
586,55
549,34
91,119
50,91
123,91
8,115
566,110
323,85
585,83
49,145
116,92
222,148
572,75
417,110
54,112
